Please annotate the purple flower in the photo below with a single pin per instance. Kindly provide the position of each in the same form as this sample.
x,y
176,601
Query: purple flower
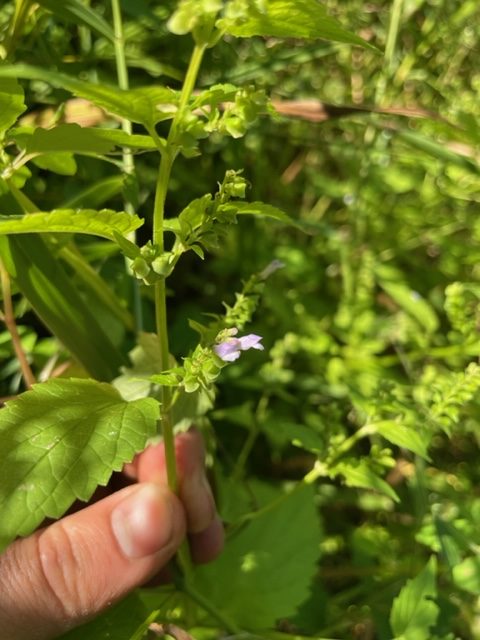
x,y
229,350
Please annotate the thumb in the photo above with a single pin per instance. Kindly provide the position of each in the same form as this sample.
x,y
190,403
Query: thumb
x,y
61,576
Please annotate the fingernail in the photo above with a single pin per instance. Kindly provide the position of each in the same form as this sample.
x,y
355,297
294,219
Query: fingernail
x,y
199,502
143,523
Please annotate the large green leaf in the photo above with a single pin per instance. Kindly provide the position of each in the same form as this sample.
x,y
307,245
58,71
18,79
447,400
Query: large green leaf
x,y
59,441
145,105
273,571
413,611
291,19
97,223
11,103
78,13
50,292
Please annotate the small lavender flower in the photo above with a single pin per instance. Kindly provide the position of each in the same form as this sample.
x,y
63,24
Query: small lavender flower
x,y
229,350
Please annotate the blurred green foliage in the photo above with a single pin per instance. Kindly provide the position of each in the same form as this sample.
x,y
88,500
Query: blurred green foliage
x,y
371,328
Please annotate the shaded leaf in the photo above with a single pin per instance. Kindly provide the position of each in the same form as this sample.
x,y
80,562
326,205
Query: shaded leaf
x,y
59,441
272,571
62,163
51,293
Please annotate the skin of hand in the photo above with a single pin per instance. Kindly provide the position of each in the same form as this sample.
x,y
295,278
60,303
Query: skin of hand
x,y
67,573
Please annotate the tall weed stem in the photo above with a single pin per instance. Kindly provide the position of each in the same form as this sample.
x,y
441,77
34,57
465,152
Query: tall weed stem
x,y
164,173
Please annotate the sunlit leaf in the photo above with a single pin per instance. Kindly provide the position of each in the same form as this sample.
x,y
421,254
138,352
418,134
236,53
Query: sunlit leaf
x,y
291,19
145,105
466,575
75,139
404,436
414,611
101,223
59,441
358,474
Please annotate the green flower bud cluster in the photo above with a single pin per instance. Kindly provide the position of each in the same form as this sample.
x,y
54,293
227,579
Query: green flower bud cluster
x,y
197,17
234,185
237,116
150,265
202,368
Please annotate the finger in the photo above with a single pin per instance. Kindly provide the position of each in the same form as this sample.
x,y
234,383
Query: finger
x,y
194,488
207,545
61,576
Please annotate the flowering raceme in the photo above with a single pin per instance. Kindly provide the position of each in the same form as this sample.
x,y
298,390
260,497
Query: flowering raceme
x,y
229,350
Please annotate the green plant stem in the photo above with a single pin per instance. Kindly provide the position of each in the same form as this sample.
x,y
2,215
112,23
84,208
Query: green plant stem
x,y
128,162
164,173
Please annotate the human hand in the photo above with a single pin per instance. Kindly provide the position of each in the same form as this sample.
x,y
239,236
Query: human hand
x,y
65,574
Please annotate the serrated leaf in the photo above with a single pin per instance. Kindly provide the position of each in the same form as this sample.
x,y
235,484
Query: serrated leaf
x,y
413,611
404,436
358,474
78,13
103,223
272,571
61,440
292,19
11,103
145,105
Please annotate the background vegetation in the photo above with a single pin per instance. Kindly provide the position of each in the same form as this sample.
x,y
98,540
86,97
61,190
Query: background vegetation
x,y
370,372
